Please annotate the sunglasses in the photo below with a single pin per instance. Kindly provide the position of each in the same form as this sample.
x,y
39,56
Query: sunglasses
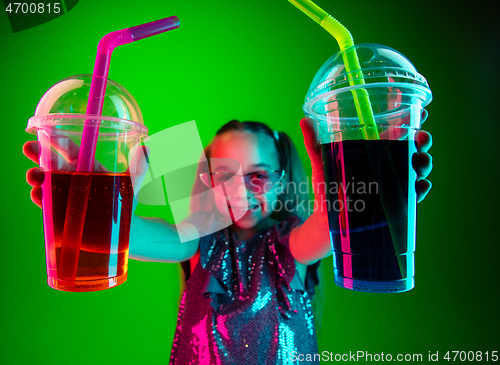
x,y
258,182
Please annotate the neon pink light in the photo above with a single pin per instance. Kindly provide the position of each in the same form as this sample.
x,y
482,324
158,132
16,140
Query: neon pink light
x,y
48,226
221,326
345,240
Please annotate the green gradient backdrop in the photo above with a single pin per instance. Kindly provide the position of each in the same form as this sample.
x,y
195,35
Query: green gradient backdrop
x,y
254,60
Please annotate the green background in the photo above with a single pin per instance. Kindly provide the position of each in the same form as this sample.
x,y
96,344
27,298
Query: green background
x,y
254,60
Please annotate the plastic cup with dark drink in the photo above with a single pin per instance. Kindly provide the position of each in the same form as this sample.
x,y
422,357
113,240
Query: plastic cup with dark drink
x,y
86,215
369,179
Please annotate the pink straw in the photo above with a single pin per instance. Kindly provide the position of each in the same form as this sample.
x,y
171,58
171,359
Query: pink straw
x,y
98,85
75,219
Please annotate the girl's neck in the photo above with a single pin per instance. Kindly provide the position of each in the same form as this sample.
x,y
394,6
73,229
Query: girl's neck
x,y
244,234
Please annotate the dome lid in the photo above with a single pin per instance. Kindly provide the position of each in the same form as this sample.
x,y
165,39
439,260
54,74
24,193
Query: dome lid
x,y
380,66
66,103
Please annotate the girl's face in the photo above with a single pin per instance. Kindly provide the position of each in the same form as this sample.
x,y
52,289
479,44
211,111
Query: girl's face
x,y
254,152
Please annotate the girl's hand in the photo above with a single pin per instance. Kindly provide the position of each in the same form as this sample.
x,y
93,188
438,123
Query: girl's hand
x,y
315,228
422,161
314,151
161,243
422,164
66,159
35,175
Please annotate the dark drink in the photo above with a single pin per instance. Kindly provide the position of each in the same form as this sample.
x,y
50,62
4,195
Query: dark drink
x,y
370,186
102,254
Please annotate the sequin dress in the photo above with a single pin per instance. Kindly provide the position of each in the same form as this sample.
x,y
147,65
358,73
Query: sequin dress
x,y
245,303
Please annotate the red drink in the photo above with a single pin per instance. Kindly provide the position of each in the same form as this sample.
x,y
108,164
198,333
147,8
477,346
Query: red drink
x,y
103,253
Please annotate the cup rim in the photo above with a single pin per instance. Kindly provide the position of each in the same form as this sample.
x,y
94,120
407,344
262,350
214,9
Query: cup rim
x,y
39,121
425,94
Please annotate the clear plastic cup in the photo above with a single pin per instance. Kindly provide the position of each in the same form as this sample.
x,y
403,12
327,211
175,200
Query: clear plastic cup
x,y
86,215
370,182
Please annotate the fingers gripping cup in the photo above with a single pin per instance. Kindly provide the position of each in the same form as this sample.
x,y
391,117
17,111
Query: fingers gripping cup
x,y
370,182
97,207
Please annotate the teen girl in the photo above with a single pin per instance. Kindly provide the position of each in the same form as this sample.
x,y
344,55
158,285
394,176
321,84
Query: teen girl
x,y
249,286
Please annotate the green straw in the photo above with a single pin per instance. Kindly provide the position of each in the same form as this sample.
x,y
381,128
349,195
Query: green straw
x,y
361,100
351,62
